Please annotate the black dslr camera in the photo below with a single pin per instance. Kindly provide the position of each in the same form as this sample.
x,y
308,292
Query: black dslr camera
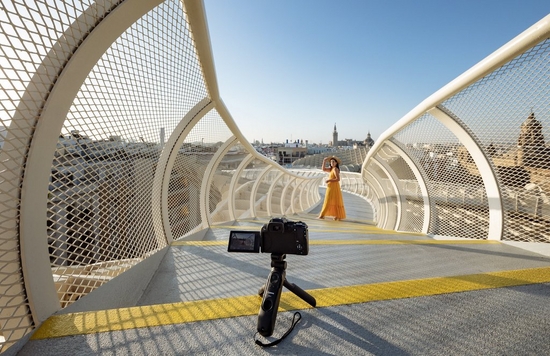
x,y
279,236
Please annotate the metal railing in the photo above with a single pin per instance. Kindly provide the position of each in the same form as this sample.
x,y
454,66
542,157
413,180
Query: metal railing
x,y
115,142
471,160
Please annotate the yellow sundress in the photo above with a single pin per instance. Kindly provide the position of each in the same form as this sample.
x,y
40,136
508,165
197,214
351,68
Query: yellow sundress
x,y
334,203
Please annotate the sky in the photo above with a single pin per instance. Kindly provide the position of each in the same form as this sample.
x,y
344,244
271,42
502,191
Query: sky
x,y
292,69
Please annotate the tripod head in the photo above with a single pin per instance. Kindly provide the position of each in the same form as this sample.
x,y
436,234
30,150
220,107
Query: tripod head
x,y
278,260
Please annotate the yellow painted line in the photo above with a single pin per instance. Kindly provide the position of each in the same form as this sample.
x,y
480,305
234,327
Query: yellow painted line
x,y
351,229
365,231
354,242
401,242
328,226
336,226
145,316
199,243
186,312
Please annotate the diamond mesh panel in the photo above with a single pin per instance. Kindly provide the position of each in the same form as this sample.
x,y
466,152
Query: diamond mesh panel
x,y
454,182
28,30
413,211
516,97
354,183
198,150
245,182
99,209
183,192
102,174
99,220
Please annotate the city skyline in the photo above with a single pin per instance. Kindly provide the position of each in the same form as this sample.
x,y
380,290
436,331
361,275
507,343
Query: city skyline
x,y
297,67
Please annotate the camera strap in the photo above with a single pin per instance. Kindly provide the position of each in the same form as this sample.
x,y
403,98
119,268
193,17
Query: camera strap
x,y
294,322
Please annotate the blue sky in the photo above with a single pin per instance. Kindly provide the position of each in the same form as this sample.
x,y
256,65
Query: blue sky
x,y
291,69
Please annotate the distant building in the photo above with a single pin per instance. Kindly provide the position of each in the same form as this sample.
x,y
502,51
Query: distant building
x,y
291,152
350,143
313,150
369,142
526,162
532,150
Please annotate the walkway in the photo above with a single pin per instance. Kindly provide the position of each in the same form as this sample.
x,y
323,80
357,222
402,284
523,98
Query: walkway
x,y
378,293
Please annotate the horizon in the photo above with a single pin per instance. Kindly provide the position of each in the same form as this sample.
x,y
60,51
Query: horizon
x,y
298,67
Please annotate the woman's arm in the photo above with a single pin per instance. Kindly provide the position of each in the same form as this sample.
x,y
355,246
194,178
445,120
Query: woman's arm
x,y
325,165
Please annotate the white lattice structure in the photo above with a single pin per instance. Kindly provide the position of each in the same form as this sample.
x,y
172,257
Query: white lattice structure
x,y
115,142
471,160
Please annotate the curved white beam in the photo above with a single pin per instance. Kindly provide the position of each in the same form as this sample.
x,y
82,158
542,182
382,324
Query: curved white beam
x,y
255,188
383,209
494,197
303,197
199,27
270,193
161,180
233,184
395,183
421,179
88,45
207,180
283,195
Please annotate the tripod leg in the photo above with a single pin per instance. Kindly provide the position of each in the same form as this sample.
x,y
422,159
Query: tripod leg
x,y
308,298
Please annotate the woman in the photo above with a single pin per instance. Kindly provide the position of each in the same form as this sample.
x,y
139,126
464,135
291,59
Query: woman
x,y
334,203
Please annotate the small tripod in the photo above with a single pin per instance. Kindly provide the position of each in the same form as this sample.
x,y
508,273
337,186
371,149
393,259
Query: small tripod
x,y
271,293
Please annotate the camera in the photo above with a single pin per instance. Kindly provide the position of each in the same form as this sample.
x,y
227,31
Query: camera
x,y
279,236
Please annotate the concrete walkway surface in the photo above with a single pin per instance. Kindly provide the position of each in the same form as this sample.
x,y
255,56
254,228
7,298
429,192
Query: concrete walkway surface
x,y
378,293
